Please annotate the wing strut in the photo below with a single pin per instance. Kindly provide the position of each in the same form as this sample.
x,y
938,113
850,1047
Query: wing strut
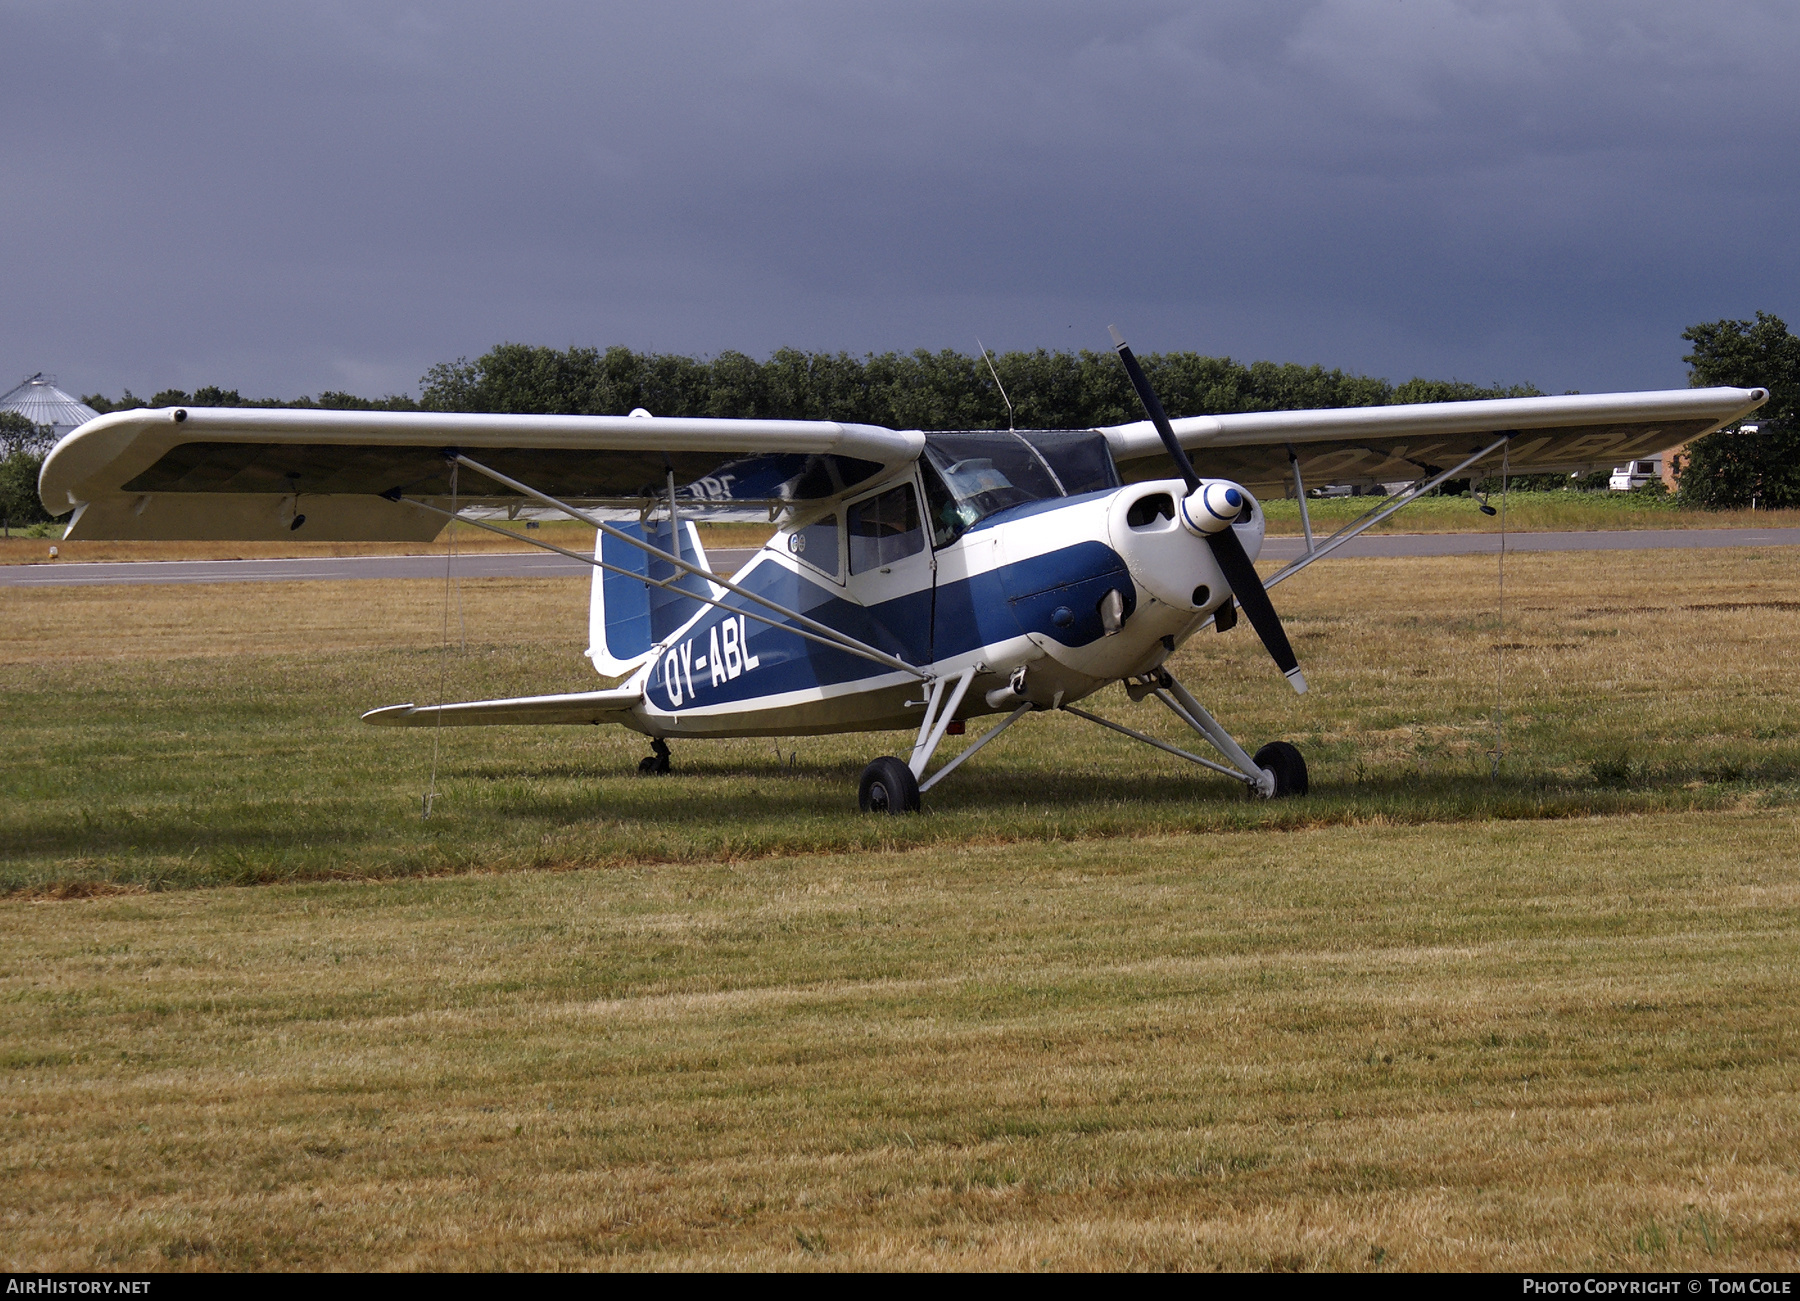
x,y
824,634
852,646
1405,497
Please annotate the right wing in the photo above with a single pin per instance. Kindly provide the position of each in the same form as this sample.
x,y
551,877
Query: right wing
x,y
253,473
1574,432
574,707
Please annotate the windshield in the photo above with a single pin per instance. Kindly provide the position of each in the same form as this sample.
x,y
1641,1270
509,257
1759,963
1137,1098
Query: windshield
x,y
982,473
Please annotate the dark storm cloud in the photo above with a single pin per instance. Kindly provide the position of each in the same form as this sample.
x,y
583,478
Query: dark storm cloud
x,y
289,198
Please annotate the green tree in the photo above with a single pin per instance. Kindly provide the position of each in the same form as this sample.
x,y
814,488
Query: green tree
x,y
213,396
915,390
17,433
104,405
22,448
1730,470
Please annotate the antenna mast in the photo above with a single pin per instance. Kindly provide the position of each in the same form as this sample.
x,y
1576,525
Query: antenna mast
x,y
1010,422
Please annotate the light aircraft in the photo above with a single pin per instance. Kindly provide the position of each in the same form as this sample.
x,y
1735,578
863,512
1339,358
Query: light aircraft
x,y
915,580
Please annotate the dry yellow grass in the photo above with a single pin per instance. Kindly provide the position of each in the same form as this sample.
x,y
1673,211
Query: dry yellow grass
x,y
58,624
194,734
1504,1046
574,536
1527,512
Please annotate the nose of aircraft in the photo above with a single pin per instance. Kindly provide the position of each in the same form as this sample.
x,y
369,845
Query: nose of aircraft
x,y
1215,505
1158,530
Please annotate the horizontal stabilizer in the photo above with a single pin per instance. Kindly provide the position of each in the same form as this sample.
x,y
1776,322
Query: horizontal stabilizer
x,y
574,707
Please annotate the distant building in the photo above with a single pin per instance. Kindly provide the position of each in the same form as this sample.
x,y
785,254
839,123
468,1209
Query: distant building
x,y
41,402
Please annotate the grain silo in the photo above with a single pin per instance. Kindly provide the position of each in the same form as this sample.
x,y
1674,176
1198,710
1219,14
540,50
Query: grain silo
x,y
41,402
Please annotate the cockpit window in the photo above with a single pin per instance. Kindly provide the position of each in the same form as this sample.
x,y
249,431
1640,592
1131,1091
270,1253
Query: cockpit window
x,y
980,474
1080,459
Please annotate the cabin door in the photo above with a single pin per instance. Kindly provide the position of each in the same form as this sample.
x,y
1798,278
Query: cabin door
x,y
891,570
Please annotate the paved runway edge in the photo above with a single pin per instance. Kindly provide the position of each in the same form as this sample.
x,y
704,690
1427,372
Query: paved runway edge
x,y
545,564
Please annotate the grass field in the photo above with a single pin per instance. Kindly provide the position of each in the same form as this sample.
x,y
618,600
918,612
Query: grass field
x,y
564,533
1527,512
166,736
1092,1010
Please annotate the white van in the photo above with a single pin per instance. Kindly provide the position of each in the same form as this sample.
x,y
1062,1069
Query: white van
x,y
1634,474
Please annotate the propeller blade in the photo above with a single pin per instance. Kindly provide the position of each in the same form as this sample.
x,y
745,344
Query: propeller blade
x,y
1247,587
1153,407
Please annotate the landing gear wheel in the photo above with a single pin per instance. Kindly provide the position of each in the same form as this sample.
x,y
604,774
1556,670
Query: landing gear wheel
x,y
1289,768
888,786
655,764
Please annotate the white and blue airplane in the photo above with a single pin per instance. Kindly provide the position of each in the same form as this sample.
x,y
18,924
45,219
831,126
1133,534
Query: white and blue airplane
x,y
916,580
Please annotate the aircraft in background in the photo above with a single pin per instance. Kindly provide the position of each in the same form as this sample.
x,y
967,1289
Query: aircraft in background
x,y
916,579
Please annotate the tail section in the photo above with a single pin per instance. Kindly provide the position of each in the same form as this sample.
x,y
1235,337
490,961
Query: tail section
x,y
627,616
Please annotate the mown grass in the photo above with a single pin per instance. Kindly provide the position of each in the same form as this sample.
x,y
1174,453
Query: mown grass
x,y
1524,1045
179,736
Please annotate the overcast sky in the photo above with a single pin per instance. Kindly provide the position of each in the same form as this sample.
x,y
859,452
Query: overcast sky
x,y
285,198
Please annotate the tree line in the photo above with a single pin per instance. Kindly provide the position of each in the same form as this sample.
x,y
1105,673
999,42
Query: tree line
x,y
917,390
1730,470
1048,390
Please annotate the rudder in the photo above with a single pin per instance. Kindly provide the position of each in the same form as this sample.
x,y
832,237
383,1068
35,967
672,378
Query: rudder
x,y
626,615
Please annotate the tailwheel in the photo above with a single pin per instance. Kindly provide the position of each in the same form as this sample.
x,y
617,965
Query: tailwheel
x,y
1289,768
888,786
652,764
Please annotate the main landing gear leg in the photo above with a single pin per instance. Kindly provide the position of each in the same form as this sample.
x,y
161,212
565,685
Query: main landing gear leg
x,y
658,761
890,786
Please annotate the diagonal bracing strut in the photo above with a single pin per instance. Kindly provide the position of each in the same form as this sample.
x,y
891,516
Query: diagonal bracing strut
x,y
823,632
1405,497
648,582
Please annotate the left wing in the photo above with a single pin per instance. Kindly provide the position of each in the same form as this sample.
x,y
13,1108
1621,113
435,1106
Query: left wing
x,y
1573,433
240,473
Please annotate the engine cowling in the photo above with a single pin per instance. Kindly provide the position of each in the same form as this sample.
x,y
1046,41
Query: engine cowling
x,y
1168,556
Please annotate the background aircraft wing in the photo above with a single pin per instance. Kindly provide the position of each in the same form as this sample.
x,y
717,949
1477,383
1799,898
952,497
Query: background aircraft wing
x,y
257,473
1571,434
573,707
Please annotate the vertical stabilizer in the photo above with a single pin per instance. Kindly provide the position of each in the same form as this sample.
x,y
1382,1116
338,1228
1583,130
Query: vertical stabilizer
x,y
626,615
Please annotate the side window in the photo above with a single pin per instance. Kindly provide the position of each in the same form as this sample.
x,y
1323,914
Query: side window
x,y
817,544
885,529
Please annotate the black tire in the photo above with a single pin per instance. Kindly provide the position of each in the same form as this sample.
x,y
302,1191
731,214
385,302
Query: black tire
x,y
888,786
654,765
1286,763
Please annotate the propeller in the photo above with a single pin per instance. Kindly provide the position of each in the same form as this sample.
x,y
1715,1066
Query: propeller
x,y
1209,510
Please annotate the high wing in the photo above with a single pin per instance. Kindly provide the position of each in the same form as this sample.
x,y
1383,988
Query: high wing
x,y
257,473
1575,433
245,474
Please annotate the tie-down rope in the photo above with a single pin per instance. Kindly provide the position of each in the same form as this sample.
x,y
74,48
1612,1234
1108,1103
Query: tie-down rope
x,y
1500,640
451,580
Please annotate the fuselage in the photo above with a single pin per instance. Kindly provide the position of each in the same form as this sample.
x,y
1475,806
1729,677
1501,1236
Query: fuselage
x,y
1078,591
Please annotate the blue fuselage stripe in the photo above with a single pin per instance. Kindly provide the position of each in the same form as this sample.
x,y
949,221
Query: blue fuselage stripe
x,y
1056,594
